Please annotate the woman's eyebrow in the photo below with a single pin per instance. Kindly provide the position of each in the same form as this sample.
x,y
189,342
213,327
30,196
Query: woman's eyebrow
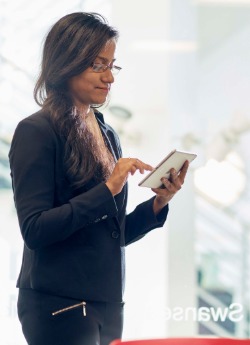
x,y
104,59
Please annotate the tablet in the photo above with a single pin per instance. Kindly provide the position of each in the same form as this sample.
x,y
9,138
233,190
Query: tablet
x,y
174,159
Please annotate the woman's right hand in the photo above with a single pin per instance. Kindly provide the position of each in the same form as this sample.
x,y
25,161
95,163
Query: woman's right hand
x,y
122,169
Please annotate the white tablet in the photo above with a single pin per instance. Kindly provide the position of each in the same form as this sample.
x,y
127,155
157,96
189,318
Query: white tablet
x,y
174,159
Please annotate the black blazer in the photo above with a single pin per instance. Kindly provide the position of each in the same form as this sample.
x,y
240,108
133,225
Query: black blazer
x,y
73,241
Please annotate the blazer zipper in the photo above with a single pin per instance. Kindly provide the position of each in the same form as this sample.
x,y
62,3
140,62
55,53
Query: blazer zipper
x,y
83,304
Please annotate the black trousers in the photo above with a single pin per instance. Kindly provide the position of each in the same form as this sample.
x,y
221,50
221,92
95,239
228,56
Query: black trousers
x,y
73,323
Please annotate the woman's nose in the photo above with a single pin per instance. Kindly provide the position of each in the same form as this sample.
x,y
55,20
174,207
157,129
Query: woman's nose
x,y
107,76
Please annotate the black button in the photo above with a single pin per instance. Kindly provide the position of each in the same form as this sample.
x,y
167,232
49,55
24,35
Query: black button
x,y
115,234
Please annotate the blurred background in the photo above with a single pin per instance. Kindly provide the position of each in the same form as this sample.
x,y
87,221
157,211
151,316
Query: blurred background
x,y
185,84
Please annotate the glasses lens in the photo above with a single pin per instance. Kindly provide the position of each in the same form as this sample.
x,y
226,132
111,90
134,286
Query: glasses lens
x,y
115,70
97,67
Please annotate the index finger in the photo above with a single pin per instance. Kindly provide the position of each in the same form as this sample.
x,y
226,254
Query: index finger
x,y
143,166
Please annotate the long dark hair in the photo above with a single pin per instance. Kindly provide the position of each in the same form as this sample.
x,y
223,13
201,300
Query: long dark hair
x,y
70,47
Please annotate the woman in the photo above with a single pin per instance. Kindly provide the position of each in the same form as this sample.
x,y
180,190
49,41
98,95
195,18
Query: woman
x,y
70,192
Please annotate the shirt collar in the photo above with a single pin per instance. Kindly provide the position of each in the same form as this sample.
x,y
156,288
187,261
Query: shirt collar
x,y
99,116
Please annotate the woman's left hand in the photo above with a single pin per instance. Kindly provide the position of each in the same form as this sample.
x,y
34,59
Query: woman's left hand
x,y
170,187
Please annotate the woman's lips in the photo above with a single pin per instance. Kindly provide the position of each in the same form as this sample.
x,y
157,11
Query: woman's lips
x,y
103,89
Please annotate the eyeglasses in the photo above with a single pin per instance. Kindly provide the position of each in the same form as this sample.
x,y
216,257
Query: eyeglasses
x,y
100,67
